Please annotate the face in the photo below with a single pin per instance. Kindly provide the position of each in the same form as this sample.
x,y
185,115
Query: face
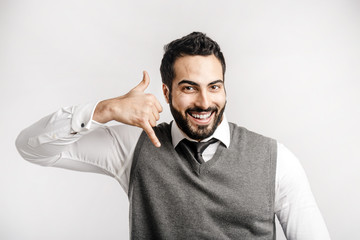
x,y
197,98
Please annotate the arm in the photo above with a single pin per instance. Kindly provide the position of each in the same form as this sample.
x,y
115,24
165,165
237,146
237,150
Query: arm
x,y
70,138
52,141
295,205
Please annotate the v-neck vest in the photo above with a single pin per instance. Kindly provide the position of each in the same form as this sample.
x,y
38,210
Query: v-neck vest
x,y
231,196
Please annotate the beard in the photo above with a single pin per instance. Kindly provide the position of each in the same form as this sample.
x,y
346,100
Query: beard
x,y
197,132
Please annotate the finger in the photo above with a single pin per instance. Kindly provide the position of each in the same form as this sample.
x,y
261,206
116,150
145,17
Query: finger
x,y
152,118
156,113
151,134
143,84
152,121
155,102
158,106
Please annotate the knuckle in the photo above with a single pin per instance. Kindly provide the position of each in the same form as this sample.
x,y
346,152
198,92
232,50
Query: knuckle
x,y
150,104
147,103
152,98
150,95
142,119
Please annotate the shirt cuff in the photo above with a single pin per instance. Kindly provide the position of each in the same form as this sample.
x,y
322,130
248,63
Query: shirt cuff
x,y
82,118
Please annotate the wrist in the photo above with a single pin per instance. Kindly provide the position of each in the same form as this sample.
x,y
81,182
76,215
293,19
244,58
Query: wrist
x,y
103,112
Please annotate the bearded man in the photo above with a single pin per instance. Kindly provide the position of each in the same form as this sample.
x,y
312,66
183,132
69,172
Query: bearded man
x,y
197,177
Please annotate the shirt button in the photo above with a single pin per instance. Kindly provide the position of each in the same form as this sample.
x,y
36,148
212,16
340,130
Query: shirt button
x,y
82,125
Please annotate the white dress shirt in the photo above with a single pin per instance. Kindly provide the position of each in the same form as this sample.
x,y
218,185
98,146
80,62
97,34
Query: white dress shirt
x,y
70,139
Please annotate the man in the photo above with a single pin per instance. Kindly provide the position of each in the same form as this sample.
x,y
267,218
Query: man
x,y
230,189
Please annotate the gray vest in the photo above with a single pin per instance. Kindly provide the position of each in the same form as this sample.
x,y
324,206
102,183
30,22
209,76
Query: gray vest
x,y
230,196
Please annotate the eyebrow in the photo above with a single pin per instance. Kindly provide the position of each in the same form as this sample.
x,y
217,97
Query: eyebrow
x,y
196,84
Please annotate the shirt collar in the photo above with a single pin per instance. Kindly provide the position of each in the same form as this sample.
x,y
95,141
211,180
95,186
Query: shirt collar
x,y
221,133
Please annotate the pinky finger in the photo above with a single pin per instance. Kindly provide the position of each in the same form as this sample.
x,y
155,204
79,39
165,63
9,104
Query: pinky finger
x,y
151,134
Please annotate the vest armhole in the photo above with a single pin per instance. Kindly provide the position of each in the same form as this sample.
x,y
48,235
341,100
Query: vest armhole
x,y
273,163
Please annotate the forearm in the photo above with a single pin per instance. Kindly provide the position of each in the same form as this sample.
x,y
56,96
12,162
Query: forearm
x,y
43,142
70,139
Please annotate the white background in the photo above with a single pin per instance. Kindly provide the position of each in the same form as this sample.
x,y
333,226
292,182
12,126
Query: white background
x,y
293,74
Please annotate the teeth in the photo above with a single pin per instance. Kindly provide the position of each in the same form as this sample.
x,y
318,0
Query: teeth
x,y
201,116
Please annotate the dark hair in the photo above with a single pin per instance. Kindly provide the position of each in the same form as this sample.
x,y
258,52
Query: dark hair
x,y
195,43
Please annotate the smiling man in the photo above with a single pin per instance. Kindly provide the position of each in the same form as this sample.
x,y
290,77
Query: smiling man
x,y
197,98
198,177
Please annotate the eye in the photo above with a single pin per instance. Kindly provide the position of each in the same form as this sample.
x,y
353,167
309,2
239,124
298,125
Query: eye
x,y
214,87
188,89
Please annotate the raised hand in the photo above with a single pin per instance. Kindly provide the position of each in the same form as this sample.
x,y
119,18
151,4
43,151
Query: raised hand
x,y
135,108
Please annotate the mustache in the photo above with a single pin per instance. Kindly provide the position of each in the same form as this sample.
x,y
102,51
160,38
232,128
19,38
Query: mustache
x,y
197,109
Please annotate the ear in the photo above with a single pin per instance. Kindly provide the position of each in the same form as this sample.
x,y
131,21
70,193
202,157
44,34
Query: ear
x,y
166,92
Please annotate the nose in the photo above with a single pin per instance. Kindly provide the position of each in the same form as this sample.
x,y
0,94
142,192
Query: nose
x,y
203,100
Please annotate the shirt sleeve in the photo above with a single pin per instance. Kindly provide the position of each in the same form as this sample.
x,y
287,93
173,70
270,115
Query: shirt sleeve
x,y
70,139
295,206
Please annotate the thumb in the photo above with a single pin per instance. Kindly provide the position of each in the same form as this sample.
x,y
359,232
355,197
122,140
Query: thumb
x,y
144,83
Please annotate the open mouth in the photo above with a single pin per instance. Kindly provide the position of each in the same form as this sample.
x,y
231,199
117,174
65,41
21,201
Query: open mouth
x,y
201,115
201,118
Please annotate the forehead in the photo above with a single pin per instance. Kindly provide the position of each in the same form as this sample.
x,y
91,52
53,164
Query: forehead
x,y
198,68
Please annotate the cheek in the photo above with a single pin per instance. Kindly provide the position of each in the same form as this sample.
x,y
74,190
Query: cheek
x,y
182,101
220,99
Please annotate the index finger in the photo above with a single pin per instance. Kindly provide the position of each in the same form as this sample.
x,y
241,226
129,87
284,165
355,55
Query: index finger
x,y
151,134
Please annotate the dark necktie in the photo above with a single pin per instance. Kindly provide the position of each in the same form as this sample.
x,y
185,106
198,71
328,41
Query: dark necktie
x,y
197,148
